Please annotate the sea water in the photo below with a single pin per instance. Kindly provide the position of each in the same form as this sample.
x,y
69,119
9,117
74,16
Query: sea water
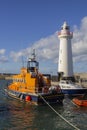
x,y
17,115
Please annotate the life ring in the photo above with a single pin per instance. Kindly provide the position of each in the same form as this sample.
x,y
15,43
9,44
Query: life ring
x,y
28,98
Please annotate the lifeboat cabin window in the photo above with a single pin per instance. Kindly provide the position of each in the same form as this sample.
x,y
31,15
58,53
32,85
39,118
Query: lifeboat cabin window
x,y
32,65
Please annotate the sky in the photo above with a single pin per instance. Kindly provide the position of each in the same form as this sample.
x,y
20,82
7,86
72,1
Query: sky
x,y
34,24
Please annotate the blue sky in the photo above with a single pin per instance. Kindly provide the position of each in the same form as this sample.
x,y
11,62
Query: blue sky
x,y
28,24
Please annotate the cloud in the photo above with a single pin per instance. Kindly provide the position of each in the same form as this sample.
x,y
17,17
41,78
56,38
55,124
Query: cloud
x,y
48,48
3,58
79,44
2,51
15,56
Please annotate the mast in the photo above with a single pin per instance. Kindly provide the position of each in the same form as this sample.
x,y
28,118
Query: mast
x,y
32,64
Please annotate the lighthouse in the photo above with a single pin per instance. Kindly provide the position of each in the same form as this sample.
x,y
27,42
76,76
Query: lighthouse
x,y
65,67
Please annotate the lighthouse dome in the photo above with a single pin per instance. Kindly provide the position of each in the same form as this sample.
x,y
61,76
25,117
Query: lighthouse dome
x,y
65,26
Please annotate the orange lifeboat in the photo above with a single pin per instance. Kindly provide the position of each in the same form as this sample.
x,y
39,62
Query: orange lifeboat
x,y
31,85
80,101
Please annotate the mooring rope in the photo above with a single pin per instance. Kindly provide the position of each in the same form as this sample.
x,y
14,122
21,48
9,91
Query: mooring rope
x,y
59,114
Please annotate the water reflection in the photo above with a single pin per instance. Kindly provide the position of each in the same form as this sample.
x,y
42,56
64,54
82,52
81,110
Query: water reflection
x,y
17,115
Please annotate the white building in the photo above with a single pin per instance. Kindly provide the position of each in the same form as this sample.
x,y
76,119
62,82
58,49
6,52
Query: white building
x,y
65,52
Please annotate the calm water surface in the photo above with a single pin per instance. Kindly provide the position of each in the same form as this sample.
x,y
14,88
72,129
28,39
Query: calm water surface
x,y
16,115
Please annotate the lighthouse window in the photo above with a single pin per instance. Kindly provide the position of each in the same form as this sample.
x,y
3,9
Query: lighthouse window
x,y
67,28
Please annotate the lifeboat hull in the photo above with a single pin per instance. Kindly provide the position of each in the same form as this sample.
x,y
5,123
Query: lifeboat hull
x,y
37,98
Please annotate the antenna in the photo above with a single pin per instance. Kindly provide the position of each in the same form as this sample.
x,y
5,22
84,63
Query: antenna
x,y
33,55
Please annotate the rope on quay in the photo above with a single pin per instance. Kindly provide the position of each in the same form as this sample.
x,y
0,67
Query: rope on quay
x,y
76,128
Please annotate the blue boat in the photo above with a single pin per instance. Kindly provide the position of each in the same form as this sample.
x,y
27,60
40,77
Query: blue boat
x,y
70,88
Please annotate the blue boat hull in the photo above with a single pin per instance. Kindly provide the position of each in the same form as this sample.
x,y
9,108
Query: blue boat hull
x,y
74,91
37,98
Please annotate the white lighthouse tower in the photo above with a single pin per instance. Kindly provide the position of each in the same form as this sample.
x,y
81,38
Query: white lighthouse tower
x,y
65,52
